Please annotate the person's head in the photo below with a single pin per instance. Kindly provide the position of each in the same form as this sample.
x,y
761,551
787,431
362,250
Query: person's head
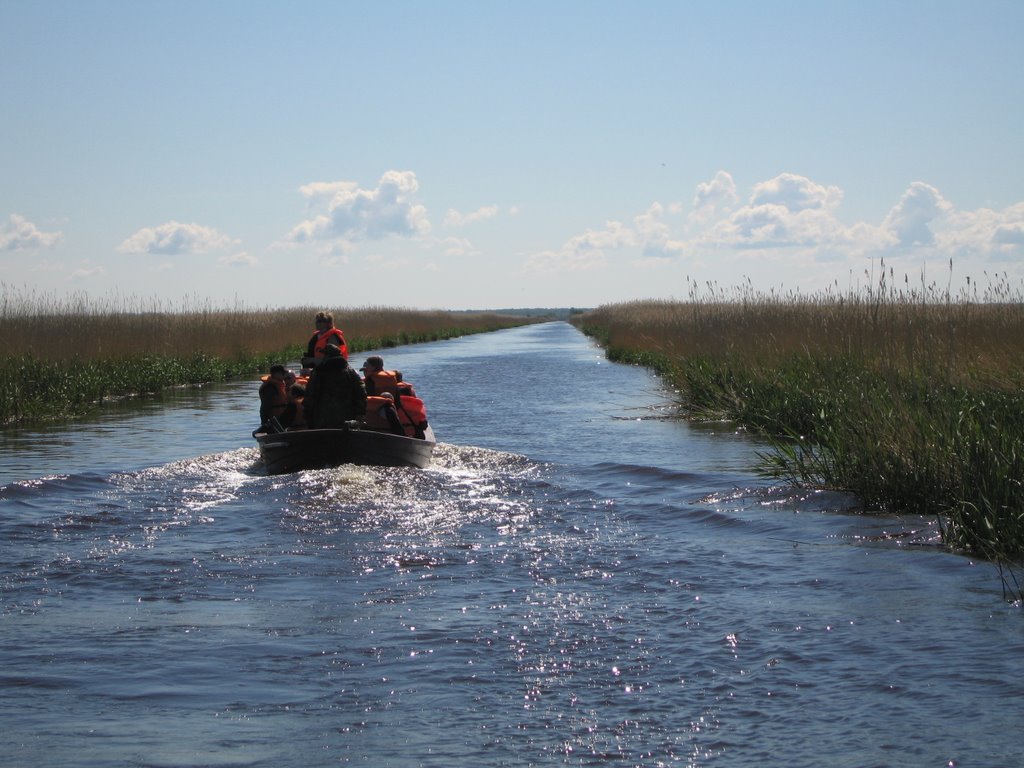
x,y
373,364
297,391
278,371
332,350
324,320
289,377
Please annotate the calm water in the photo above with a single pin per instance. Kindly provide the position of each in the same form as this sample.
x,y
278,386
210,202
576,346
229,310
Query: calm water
x,y
576,581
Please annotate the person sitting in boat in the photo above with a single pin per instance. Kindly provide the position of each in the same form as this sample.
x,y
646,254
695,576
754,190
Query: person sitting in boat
x,y
273,399
381,413
325,334
413,415
334,394
295,415
378,381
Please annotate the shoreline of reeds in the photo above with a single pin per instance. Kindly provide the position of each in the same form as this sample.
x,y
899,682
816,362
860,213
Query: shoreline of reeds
x,y
911,398
62,358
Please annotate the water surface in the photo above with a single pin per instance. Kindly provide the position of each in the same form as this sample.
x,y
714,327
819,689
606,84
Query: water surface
x,y
577,580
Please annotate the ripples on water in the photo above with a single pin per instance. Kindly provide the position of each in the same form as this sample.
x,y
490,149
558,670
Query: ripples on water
x,y
624,592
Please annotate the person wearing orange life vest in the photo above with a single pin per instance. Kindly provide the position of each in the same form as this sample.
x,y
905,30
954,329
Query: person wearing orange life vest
x,y
412,413
381,414
325,334
378,381
273,398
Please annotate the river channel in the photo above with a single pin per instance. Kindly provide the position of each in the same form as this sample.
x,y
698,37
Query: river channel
x,y
578,579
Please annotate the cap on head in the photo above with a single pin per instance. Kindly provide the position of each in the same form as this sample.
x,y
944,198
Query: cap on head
x,y
373,363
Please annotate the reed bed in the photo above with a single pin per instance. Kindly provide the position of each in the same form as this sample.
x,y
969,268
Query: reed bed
x,y
59,357
908,395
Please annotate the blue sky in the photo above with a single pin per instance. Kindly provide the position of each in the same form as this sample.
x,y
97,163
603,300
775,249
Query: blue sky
x,y
496,154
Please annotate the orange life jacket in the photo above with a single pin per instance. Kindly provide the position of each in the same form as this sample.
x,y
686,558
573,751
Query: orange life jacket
x,y
331,336
388,381
374,418
280,402
412,412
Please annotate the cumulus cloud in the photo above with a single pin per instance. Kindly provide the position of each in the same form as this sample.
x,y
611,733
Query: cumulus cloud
x,y
909,222
791,219
585,251
713,196
788,211
795,193
20,234
175,239
354,214
1009,234
654,234
456,219
984,232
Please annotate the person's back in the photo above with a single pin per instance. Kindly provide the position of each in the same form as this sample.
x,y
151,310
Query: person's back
x,y
334,394
273,398
295,415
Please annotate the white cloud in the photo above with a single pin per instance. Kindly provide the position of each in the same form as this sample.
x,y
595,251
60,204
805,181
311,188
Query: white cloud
x,y
585,251
455,219
792,223
984,232
354,214
795,193
655,235
174,239
909,222
20,234
789,211
719,194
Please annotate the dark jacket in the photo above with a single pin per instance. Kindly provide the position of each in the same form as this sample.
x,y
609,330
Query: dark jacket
x,y
334,395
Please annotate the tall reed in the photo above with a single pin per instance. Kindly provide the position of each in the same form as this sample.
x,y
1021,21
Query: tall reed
x,y
59,356
908,395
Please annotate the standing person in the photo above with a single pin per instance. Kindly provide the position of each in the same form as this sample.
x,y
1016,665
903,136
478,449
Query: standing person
x,y
325,334
273,398
334,394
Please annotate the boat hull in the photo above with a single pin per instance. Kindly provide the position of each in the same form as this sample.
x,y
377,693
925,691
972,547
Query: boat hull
x,y
318,448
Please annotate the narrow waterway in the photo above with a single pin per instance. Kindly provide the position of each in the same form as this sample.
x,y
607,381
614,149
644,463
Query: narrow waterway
x,y
579,579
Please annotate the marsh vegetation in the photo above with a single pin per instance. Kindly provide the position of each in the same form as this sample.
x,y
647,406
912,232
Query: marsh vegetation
x,y
60,357
906,394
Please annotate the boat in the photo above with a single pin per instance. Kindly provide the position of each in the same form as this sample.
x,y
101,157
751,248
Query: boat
x,y
294,450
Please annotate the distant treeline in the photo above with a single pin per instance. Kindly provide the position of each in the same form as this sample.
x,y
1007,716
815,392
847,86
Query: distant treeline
x,y
911,398
61,357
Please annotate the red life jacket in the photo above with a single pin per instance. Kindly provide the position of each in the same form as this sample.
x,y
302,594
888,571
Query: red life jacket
x,y
331,336
412,413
